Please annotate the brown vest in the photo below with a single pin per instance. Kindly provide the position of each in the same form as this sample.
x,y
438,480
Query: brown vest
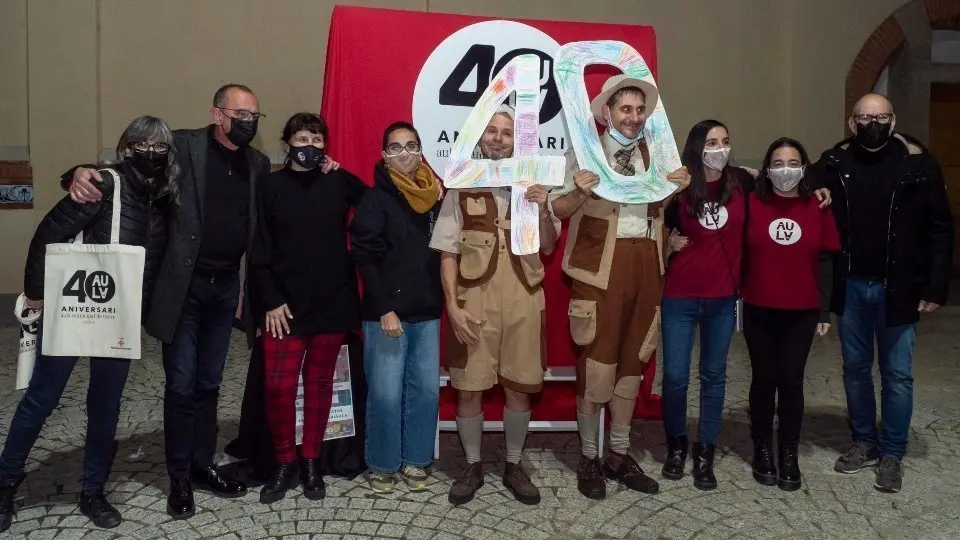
x,y
480,242
592,233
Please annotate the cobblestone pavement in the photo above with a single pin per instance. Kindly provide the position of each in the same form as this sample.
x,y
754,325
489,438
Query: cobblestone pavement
x,y
829,505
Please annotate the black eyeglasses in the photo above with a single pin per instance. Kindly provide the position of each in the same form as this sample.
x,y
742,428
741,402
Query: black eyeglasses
x,y
144,146
243,114
883,118
396,149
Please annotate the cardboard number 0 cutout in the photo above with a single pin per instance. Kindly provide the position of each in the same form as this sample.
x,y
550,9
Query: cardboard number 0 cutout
x,y
526,167
644,187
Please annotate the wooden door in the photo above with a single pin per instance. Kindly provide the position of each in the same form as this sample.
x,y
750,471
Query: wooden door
x,y
944,145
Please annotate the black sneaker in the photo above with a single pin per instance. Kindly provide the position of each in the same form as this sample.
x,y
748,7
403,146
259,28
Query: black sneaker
x,y
96,507
7,507
889,475
858,457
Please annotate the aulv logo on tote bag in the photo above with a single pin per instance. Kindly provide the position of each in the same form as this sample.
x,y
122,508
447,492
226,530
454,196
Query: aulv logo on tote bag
x,y
92,295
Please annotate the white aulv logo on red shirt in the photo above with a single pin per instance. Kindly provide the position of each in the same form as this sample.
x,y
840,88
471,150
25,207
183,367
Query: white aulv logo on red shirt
x,y
714,217
785,232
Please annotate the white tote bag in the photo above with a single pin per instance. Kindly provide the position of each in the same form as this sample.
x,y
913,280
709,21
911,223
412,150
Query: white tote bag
x,y
92,295
27,357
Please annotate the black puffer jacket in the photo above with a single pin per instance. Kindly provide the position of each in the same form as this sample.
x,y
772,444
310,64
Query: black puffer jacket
x,y
143,222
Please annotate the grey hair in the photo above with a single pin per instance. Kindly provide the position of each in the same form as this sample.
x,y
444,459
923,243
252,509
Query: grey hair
x,y
151,128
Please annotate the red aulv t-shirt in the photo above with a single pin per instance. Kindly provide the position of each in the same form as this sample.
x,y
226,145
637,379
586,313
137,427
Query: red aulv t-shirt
x,y
710,262
784,239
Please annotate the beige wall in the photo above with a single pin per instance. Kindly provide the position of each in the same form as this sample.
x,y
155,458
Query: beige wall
x,y
765,67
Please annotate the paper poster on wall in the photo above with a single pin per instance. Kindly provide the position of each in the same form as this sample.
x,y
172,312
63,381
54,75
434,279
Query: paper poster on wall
x,y
526,167
340,422
644,187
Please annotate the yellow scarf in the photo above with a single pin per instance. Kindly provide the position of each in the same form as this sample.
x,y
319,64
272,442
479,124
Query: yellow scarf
x,y
422,191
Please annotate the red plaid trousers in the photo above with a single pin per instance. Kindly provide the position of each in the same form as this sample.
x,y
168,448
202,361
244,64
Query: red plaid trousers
x,y
317,355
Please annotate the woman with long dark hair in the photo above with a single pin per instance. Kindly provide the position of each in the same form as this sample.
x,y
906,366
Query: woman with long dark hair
x,y
402,304
700,290
788,279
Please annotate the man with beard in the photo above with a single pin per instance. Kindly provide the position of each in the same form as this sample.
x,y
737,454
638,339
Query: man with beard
x,y
896,234
616,256
495,309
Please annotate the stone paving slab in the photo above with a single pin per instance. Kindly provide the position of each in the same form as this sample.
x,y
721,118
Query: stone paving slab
x,y
829,505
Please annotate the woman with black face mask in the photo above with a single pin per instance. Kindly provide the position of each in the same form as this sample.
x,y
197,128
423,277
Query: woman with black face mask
x,y
304,296
147,175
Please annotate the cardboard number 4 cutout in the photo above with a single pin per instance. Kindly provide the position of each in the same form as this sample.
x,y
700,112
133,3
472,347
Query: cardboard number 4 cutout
x,y
525,168
644,187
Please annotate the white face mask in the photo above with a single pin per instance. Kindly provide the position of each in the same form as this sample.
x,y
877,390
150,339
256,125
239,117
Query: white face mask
x,y
785,178
716,159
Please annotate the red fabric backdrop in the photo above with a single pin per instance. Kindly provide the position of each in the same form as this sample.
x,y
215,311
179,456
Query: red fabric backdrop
x,y
369,83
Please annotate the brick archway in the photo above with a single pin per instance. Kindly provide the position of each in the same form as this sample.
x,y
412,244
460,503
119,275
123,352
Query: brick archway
x,y
887,40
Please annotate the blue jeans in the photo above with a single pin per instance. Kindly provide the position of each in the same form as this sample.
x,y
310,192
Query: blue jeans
x,y
193,363
403,395
863,321
717,319
50,375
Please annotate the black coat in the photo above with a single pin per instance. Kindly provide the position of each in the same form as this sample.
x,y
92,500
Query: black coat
x,y
144,211
920,230
390,244
186,229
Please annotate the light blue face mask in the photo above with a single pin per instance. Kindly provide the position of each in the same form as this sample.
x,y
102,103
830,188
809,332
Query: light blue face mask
x,y
620,137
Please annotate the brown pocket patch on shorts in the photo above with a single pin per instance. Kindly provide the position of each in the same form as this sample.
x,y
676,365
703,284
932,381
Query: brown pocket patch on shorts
x,y
652,340
588,247
583,321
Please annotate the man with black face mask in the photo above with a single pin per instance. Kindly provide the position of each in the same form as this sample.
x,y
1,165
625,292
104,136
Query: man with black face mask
x,y
200,285
897,245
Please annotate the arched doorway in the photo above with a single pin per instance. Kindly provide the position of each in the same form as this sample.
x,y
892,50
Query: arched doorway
x,y
914,58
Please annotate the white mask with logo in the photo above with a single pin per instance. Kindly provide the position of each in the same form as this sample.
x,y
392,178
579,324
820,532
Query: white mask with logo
x,y
785,178
716,159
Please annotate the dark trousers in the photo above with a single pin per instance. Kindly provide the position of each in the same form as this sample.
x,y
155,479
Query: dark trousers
x,y
779,343
50,375
285,357
193,363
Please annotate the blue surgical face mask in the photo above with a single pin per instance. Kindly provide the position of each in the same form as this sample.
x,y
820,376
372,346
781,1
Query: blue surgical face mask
x,y
620,137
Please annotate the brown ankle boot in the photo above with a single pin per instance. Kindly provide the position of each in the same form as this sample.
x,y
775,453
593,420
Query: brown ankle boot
x,y
590,479
624,468
517,481
466,486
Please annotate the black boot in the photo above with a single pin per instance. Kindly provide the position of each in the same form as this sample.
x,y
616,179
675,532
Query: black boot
x,y
764,470
703,477
789,477
180,501
311,476
7,509
283,479
96,507
676,457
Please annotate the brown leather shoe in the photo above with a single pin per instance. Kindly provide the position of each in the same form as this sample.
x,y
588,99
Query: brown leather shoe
x,y
471,479
624,468
590,480
517,481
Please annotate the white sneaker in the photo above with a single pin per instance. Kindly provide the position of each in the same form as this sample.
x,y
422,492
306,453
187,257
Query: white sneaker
x,y
415,477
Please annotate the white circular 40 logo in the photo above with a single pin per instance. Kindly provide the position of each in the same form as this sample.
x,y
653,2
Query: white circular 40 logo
x,y
714,217
459,70
785,232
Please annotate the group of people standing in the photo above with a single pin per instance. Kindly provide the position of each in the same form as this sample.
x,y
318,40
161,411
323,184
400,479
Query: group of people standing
x,y
865,232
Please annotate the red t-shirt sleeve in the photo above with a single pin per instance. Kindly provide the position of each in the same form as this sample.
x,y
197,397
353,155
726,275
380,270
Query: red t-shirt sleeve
x,y
829,237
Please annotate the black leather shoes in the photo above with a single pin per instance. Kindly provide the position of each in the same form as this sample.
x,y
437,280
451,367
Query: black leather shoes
x,y
7,509
788,478
212,479
764,470
180,501
284,478
703,477
676,457
100,512
311,476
